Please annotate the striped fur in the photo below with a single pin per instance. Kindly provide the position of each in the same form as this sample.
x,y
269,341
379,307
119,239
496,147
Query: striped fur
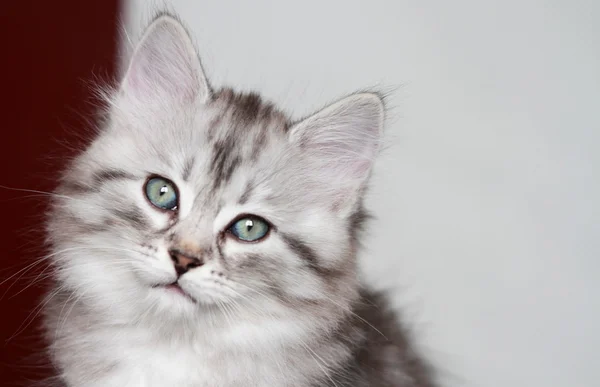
x,y
288,310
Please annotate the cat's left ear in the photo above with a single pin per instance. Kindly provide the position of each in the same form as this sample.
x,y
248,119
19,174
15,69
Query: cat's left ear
x,y
165,65
340,144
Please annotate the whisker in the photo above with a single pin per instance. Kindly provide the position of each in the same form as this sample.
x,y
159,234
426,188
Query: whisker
x,y
315,357
40,277
64,320
43,193
349,310
28,320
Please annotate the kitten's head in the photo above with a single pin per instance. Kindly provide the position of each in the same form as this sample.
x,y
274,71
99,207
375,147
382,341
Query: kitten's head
x,y
194,202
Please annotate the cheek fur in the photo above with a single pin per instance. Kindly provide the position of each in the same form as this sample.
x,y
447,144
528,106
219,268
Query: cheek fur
x,y
279,267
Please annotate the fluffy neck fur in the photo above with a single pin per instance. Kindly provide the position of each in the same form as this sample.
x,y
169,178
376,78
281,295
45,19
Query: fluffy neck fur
x,y
286,310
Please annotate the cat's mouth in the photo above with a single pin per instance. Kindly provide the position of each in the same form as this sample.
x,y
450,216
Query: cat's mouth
x,y
175,289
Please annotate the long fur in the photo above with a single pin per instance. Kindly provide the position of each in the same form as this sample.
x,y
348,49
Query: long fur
x,y
288,310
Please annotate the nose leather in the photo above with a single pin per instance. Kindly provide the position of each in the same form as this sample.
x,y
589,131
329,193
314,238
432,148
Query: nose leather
x,y
184,262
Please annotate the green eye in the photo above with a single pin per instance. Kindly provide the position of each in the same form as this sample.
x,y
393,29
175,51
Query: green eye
x,y
162,193
249,228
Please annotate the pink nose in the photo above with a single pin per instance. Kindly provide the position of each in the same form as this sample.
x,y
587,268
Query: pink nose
x,y
184,262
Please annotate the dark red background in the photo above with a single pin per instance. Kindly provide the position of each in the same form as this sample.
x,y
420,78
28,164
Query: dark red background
x,y
52,52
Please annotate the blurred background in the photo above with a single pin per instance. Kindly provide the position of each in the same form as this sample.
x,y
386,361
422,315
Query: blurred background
x,y
53,52
487,227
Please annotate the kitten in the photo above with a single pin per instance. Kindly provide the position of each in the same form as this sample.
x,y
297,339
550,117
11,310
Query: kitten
x,y
205,239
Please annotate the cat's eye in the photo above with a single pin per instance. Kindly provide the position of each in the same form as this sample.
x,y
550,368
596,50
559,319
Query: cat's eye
x,y
249,228
162,193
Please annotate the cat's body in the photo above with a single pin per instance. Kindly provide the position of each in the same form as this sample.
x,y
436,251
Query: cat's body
x,y
205,239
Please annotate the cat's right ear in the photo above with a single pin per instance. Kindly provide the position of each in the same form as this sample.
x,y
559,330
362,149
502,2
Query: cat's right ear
x,y
165,67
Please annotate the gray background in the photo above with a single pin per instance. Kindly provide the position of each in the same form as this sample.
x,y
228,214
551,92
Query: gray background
x,y
486,199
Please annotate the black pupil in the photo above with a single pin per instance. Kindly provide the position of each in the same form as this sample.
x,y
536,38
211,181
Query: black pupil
x,y
249,225
163,190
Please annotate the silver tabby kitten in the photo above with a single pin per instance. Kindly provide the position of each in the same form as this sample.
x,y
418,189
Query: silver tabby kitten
x,y
205,239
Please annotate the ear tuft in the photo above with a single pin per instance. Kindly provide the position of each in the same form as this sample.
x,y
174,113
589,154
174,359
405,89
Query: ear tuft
x,y
165,65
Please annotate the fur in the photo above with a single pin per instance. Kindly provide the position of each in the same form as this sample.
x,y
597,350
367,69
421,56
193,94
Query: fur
x,y
288,310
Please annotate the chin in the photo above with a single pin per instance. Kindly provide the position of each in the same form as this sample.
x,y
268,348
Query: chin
x,y
173,302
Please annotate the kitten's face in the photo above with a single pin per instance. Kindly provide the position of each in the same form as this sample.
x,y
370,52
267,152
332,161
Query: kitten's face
x,y
193,200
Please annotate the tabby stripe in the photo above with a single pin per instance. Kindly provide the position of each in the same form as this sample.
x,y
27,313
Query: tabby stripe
x,y
105,175
132,215
306,253
247,192
98,178
224,162
187,168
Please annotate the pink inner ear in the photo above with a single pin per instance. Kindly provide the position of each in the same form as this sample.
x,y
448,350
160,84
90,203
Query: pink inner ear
x,y
343,139
164,65
346,151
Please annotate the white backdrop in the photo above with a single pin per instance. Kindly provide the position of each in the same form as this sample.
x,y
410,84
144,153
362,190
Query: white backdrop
x,y
487,199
